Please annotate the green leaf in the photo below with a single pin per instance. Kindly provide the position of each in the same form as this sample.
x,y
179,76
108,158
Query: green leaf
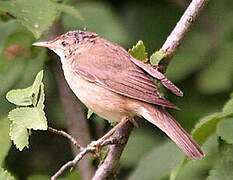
x,y
5,142
89,113
138,51
19,136
37,16
27,96
157,57
20,97
206,127
166,156
29,117
69,10
225,130
4,175
223,171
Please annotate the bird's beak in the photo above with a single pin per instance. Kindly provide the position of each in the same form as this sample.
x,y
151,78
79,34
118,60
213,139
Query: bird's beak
x,y
42,44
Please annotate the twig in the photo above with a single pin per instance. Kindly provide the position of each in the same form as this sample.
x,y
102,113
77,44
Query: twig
x,y
108,168
68,136
72,163
89,149
181,28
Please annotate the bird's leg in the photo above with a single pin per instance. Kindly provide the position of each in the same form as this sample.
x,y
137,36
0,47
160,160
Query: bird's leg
x,y
109,133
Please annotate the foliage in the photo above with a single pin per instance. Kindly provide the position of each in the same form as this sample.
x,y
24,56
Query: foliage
x,y
30,112
202,68
139,51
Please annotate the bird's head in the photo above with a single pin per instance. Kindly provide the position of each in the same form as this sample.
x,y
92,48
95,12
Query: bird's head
x,y
69,43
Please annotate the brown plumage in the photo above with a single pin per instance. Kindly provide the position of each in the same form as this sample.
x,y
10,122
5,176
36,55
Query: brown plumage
x,y
107,79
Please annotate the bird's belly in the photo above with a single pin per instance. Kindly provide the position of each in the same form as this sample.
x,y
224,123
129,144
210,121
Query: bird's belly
x,y
103,102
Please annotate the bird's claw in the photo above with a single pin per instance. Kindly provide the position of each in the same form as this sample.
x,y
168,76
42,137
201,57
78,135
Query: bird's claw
x,y
97,146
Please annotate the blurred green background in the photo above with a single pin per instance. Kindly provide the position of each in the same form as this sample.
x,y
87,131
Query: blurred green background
x,y
202,68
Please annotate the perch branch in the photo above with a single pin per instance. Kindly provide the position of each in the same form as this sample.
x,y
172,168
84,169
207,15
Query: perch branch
x,y
89,149
73,163
108,169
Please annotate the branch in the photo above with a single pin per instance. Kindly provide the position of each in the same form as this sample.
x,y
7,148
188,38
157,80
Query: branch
x,y
116,140
108,168
65,134
72,163
77,123
182,27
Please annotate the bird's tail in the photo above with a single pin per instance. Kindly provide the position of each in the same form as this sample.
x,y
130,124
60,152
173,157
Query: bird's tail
x,y
162,119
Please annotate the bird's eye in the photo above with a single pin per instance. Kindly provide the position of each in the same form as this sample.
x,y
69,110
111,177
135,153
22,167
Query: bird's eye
x,y
63,43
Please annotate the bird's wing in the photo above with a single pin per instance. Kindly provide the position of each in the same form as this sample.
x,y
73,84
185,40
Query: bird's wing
x,y
158,75
114,71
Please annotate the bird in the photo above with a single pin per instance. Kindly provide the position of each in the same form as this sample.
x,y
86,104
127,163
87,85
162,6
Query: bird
x,y
116,86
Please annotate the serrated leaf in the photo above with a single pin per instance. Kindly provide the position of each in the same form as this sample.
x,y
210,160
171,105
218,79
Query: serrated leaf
x,y
5,142
29,117
27,96
89,113
225,130
223,171
157,57
20,97
138,51
69,10
32,14
4,175
19,135
167,156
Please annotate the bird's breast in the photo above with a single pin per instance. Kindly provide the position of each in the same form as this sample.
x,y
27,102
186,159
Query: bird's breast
x,y
103,102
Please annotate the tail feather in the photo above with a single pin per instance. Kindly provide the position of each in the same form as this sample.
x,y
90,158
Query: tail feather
x,y
161,118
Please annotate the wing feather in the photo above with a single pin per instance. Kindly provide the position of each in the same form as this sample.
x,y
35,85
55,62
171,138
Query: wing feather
x,y
117,73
